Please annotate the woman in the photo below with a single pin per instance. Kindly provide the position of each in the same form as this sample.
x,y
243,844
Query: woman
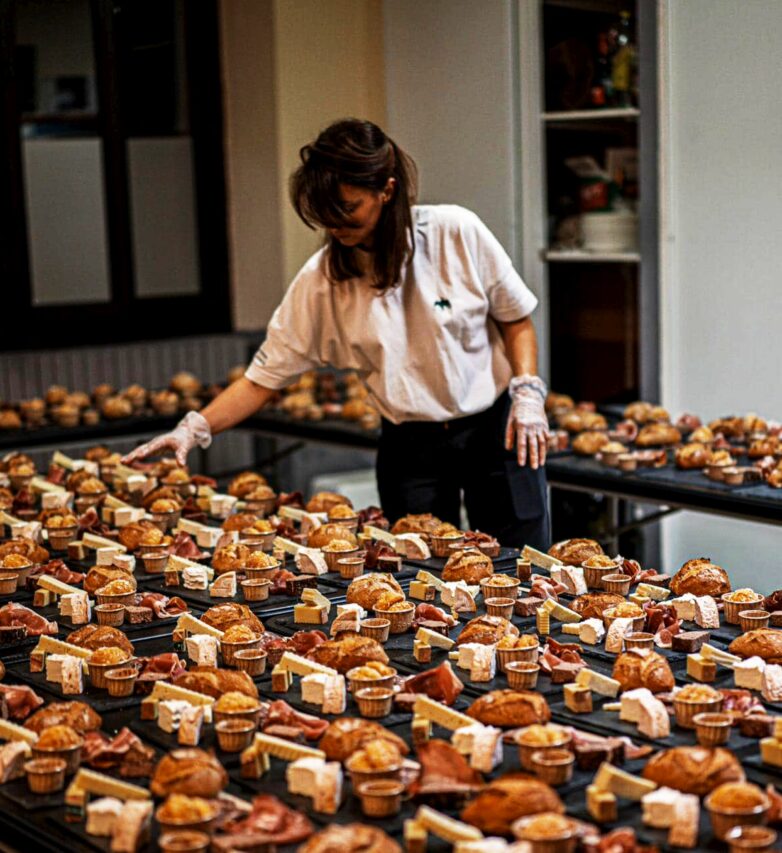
x,y
423,302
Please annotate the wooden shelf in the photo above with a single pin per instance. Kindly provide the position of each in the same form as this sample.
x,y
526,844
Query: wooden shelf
x,y
627,113
583,256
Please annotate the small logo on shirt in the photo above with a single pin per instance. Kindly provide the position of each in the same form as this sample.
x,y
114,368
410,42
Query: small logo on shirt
x,y
443,303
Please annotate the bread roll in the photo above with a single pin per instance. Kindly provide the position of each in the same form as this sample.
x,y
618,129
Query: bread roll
x,y
99,576
424,523
650,670
324,501
589,443
192,772
508,798
486,630
658,435
78,715
766,643
212,681
470,566
347,734
350,838
573,552
510,708
328,533
348,651
693,455
99,637
225,616
693,769
592,604
367,589
700,577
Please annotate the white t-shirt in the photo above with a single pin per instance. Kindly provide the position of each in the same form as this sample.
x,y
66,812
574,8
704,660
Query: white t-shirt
x,y
427,348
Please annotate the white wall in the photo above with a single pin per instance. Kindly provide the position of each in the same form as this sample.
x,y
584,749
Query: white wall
x,y
451,105
722,299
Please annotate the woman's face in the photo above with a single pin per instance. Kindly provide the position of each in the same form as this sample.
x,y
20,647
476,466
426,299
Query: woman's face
x,y
363,208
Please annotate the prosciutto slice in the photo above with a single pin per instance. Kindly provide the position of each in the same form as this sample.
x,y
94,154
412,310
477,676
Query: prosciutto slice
x,y
740,703
192,511
270,821
100,752
13,615
432,617
543,587
439,683
163,606
662,622
373,515
279,579
555,653
185,546
90,522
19,702
444,770
165,667
57,569
280,713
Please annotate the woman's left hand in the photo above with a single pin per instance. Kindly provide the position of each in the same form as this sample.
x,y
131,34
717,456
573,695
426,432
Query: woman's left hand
x,y
527,421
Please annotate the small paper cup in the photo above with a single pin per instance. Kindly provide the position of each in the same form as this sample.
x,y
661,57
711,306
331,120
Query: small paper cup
x,y
712,729
522,675
45,775
155,562
381,798
261,507
506,656
593,575
564,842
355,684
9,581
256,590
724,819
199,825
251,661
636,626
526,751
639,640
184,841
165,521
61,537
627,462
686,710
441,546
751,619
332,558
260,573
492,589
121,682
350,567
71,756
731,609
616,583
253,715
116,598
110,614
553,766
376,629
258,541
502,607
228,650
98,672
235,735
374,702
400,621
758,839
359,777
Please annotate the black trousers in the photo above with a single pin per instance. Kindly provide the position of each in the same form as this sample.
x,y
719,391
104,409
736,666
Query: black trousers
x,y
424,467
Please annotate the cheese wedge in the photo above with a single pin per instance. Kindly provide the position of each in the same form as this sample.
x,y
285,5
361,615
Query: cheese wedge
x,y
315,597
543,621
57,587
539,559
621,783
601,805
700,668
658,593
163,690
445,827
718,656
301,666
39,484
771,751
559,611
310,614
412,546
49,645
95,542
434,638
99,784
601,684
421,591
284,749
187,623
439,713
430,579
10,731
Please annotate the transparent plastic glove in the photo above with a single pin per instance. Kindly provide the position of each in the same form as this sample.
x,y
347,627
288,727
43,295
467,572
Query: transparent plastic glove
x,y
192,430
527,421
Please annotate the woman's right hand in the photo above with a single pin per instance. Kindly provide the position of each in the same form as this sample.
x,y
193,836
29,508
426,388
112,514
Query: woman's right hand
x,y
192,430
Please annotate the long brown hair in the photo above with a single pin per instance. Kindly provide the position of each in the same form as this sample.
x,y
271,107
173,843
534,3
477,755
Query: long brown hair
x,y
358,153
